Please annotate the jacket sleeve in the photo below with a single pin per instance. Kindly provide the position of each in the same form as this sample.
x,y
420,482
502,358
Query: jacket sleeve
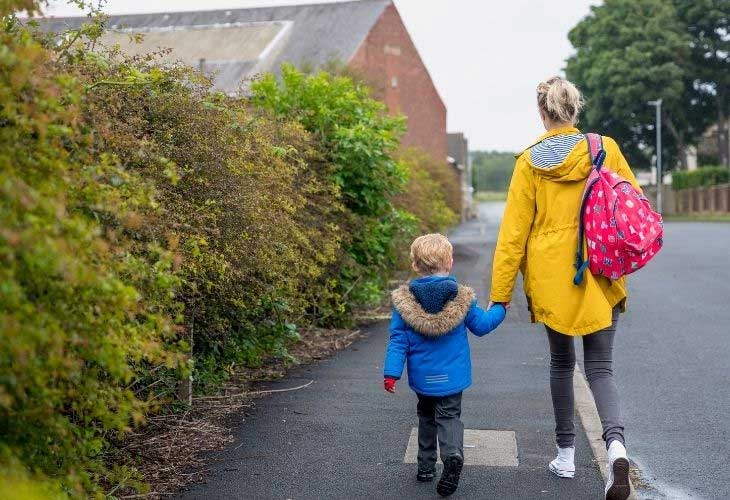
x,y
616,162
481,322
395,355
513,233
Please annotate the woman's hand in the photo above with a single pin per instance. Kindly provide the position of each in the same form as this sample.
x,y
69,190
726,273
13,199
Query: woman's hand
x,y
506,305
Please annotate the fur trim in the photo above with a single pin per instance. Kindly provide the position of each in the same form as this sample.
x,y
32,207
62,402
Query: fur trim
x,y
432,325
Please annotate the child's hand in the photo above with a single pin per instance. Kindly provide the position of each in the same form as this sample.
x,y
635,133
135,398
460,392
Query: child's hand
x,y
389,384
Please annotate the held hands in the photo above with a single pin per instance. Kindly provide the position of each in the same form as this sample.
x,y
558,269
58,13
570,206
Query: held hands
x,y
389,384
506,305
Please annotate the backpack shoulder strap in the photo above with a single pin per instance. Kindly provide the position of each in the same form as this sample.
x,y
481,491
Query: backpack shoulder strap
x,y
598,155
581,263
595,149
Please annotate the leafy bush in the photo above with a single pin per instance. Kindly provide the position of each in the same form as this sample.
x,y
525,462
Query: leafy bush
x,y
150,227
424,195
254,223
704,176
446,181
84,307
358,139
16,483
137,207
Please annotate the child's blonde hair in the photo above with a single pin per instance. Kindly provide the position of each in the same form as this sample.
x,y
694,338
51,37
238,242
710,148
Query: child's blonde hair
x,y
431,253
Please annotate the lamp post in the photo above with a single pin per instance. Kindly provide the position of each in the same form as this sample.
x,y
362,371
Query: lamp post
x,y
660,181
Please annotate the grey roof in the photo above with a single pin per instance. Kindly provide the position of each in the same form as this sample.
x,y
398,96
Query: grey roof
x,y
302,34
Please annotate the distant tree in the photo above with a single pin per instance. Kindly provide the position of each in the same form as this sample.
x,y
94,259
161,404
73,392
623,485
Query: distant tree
x,y
628,53
708,24
491,170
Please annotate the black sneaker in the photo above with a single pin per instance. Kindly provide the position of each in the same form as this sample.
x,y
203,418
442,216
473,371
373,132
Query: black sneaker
x,y
618,486
450,476
425,475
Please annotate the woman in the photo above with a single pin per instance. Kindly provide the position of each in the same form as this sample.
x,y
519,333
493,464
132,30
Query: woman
x,y
539,235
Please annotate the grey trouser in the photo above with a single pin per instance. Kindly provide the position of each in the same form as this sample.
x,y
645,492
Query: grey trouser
x,y
598,361
439,419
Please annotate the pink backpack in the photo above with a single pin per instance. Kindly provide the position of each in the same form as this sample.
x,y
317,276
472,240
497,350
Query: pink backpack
x,y
622,232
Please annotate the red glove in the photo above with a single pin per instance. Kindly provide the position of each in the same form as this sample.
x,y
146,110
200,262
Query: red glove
x,y
389,384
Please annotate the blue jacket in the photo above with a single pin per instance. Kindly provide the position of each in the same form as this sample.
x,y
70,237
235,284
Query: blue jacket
x,y
428,331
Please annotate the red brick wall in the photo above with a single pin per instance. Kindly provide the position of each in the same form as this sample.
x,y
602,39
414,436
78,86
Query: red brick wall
x,y
388,53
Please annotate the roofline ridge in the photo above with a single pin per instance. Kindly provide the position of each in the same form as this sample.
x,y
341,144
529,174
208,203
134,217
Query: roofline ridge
x,y
282,6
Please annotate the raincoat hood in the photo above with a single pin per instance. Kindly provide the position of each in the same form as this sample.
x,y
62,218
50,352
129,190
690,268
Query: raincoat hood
x,y
560,155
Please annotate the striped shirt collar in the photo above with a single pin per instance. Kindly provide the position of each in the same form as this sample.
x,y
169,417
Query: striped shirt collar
x,y
549,133
552,151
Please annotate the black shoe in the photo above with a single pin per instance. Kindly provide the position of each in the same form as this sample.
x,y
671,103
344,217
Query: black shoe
x,y
425,475
450,476
618,486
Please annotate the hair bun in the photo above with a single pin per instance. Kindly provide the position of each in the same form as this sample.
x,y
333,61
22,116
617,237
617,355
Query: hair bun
x,y
560,99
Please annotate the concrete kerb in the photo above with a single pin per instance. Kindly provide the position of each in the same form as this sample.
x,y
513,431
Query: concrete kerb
x,y
586,408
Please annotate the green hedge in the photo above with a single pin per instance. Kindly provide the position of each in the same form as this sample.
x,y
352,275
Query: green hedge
x,y
87,294
703,176
142,216
357,140
433,193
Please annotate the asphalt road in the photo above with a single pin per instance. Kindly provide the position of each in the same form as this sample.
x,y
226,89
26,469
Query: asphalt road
x,y
673,365
343,437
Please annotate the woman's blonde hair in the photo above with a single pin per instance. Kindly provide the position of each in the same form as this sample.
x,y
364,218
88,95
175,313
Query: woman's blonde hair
x,y
560,100
431,253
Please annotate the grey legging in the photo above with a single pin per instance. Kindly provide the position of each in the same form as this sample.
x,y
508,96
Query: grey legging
x,y
598,360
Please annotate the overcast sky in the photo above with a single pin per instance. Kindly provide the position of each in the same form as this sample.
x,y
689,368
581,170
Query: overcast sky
x,y
485,56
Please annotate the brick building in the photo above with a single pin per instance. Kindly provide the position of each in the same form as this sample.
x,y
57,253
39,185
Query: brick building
x,y
388,57
235,45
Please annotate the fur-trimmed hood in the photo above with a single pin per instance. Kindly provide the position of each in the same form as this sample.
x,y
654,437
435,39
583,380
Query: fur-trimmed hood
x,y
429,332
415,300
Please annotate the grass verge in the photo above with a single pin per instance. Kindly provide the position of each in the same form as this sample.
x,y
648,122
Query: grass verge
x,y
482,196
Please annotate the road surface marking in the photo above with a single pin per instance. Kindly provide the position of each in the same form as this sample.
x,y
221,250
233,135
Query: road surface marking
x,y
481,447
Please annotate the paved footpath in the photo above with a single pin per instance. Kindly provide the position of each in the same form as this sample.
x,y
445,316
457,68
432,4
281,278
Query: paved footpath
x,y
343,437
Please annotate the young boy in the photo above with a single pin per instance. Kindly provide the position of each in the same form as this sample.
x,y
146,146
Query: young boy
x,y
428,331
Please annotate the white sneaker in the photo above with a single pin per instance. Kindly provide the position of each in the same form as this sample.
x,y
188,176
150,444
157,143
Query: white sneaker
x,y
617,486
564,463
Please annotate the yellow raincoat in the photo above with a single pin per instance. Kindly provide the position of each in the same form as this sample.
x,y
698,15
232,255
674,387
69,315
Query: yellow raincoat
x,y
539,235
